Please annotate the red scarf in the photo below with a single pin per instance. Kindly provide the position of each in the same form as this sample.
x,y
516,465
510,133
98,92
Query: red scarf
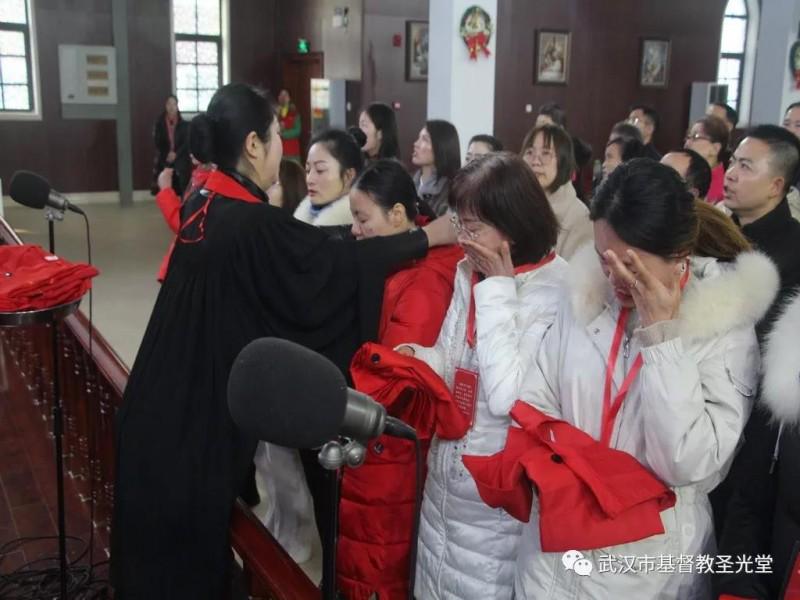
x,y
217,183
171,123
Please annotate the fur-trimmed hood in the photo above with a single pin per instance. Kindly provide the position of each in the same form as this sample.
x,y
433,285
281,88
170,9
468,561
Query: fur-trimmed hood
x,y
781,385
719,296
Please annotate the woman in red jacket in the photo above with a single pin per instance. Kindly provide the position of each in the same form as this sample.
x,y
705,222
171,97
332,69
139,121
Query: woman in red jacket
x,y
377,500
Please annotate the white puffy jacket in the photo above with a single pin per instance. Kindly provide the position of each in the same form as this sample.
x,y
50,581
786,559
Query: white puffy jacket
x,y
682,418
466,549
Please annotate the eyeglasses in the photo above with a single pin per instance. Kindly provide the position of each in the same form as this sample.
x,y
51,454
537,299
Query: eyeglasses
x,y
459,227
696,136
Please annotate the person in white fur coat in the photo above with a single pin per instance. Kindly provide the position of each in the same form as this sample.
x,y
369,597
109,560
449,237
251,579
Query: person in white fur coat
x,y
675,285
764,512
334,161
506,296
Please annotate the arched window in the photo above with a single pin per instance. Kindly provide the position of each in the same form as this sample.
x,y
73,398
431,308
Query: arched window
x,y
737,52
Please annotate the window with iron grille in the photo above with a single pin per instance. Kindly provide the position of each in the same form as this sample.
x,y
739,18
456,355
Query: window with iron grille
x,y
197,30
16,72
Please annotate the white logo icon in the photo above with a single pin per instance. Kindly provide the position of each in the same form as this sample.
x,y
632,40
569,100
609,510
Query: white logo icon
x,y
575,561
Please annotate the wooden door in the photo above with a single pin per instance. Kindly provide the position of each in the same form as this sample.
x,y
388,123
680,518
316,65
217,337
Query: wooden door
x,y
297,71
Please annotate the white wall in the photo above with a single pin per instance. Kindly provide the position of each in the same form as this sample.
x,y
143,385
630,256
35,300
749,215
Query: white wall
x,y
460,90
773,87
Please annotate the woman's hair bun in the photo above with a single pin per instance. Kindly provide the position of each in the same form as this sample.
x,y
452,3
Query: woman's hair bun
x,y
201,138
358,135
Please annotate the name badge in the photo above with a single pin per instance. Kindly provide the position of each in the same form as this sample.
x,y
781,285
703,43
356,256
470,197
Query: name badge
x,y
465,393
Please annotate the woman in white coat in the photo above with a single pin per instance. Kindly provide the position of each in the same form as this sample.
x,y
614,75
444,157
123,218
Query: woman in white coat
x,y
675,282
506,296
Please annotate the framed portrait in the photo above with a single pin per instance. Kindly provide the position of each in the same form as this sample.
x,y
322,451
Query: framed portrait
x,y
654,71
553,53
416,50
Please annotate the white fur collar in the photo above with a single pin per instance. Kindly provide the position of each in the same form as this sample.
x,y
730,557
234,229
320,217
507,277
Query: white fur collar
x,y
335,213
719,297
781,385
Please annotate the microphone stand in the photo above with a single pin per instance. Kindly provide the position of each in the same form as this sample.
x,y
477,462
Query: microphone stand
x,y
53,215
333,457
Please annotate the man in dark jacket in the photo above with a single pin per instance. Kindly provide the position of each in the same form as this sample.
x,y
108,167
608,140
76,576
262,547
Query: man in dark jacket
x,y
762,170
757,503
646,119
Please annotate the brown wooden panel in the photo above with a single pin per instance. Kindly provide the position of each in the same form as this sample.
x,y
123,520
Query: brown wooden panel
x,y
297,71
604,69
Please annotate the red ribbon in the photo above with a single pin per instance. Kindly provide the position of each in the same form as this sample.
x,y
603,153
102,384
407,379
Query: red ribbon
x,y
471,330
476,43
611,408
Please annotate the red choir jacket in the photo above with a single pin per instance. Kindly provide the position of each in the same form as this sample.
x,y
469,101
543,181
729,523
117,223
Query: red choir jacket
x,y
377,499
590,495
290,131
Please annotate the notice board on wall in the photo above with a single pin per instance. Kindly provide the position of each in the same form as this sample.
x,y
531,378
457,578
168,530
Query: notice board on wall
x,y
88,74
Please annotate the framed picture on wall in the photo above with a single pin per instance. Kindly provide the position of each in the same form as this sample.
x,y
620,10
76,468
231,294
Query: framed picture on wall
x,y
654,71
416,51
553,53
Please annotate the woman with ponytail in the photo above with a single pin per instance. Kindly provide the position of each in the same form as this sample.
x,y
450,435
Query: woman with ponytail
x,y
640,393
240,270
377,501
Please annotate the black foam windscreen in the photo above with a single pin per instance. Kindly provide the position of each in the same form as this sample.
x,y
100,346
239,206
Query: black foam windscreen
x,y
358,135
29,189
284,393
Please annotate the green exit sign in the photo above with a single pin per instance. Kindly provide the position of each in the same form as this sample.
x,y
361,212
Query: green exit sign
x,y
302,45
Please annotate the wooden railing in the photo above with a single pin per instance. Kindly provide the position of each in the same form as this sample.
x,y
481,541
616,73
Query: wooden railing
x,y
92,387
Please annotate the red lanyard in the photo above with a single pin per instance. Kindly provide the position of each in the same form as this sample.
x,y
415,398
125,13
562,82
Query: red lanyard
x,y
611,408
472,336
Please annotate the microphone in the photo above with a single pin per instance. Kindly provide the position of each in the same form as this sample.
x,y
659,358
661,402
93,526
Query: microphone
x,y
284,393
34,191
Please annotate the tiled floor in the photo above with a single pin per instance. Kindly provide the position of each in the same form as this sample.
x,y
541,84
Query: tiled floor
x,y
128,246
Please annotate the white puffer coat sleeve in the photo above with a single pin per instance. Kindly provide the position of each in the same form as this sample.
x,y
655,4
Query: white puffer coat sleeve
x,y
441,353
508,338
540,387
693,411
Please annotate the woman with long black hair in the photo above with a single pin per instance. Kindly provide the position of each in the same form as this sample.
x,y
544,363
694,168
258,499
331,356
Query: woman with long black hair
x,y
241,270
641,390
171,138
379,125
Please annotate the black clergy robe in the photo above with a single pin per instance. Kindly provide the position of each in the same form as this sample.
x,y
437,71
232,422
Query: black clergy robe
x,y
240,270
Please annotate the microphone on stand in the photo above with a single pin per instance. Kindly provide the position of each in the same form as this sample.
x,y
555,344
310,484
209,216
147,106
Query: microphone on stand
x,y
284,393
34,191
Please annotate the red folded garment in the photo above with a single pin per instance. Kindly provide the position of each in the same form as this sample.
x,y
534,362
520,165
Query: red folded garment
x,y
590,496
410,390
32,279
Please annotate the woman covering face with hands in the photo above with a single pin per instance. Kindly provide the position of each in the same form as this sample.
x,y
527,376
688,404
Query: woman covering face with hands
x,y
653,354
506,296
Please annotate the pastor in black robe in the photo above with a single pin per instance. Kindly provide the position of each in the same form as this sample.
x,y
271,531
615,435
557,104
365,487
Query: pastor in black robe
x,y
240,270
